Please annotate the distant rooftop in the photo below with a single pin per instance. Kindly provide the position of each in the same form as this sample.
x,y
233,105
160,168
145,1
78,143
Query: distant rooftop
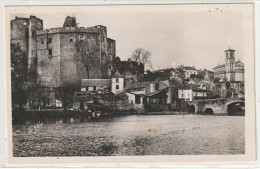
x,y
96,82
189,68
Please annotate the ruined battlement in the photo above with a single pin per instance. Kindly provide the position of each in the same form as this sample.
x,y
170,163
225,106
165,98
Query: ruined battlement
x,y
67,30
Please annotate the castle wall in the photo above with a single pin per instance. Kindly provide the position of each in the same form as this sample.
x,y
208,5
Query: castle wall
x,y
20,33
103,52
54,56
35,25
111,50
48,69
68,57
88,52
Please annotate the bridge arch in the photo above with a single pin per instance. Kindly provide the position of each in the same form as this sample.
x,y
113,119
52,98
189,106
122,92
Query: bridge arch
x,y
192,109
236,107
209,111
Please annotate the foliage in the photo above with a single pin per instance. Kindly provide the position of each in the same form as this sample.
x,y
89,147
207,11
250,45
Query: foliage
x,y
66,91
19,69
88,56
143,56
120,97
133,67
37,94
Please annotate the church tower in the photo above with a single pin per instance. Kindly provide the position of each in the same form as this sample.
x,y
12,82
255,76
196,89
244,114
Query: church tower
x,y
230,64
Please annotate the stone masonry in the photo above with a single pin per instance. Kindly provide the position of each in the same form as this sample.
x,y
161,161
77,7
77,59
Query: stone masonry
x,y
55,55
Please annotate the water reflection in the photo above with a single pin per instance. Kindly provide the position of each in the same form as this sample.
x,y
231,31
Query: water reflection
x,y
133,135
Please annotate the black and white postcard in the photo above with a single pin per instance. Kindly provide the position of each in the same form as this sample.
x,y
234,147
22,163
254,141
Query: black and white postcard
x,y
130,83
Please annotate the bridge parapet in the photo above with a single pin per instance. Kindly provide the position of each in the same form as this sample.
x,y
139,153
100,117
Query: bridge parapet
x,y
216,106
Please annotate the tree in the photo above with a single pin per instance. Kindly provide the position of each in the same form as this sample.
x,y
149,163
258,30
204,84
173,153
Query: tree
x,y
88,56
19,73
66,91
143,56
36,94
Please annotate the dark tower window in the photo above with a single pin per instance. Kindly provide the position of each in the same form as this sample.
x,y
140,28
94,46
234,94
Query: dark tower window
x,y
49,40
117,80
42,42
117,86
71,40
50,52
103,38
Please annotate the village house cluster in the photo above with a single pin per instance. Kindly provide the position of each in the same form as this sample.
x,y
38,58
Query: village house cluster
x,y
68,54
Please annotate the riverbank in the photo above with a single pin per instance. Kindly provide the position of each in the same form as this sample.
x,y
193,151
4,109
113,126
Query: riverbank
x,y
60,116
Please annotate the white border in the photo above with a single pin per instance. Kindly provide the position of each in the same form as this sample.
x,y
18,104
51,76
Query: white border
x,y
3,162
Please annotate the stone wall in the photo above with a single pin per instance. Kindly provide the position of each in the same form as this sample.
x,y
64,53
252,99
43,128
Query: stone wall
x,y
20,33
68,57
48,66
88,43
35,25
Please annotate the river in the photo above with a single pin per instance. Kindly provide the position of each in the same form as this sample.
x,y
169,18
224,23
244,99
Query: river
x,y
133,135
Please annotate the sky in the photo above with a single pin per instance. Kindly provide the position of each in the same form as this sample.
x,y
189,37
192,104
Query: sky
x,y
174,37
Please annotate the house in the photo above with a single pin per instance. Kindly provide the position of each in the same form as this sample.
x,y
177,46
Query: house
x,y
189,71
95,84
117,83
172,93
154,92
190,92
136,92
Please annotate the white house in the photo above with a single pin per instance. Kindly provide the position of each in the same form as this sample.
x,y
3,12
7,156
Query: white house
x,y
190,92
189,71
117,83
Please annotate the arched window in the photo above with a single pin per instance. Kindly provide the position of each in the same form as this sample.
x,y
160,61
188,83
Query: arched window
x,y
117,80
117,86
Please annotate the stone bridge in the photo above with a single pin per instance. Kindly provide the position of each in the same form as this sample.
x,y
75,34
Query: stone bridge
x,y
217,106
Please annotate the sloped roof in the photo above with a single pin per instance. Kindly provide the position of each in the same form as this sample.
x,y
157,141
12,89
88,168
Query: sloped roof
x,y
198,89
171,83
239,63
189,68
117,75
193,87
96,82
137,85
205,70
219,66
156,92
166,82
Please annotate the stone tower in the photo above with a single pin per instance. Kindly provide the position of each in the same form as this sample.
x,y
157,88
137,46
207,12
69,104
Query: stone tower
x,y
23,32
230,64
35,24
